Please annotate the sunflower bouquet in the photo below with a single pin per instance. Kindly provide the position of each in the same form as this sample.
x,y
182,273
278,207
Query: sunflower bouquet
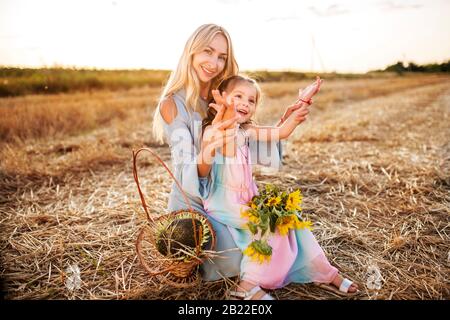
x,y
271,211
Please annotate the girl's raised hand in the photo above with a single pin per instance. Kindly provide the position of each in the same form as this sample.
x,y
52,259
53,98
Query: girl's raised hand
x,y
306,94
300,114
291,109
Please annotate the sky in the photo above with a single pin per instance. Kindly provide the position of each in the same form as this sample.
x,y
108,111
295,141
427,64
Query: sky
x,y
298,35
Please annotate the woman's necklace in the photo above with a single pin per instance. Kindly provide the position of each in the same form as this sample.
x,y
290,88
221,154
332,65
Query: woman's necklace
x,y
204,96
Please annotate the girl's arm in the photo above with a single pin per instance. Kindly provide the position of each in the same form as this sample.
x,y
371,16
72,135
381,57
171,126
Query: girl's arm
x,y
267,133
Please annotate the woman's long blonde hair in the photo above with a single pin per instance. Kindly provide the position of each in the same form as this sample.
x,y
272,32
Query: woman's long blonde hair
x,y
185,77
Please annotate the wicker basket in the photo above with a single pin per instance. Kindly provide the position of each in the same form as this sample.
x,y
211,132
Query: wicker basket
x,y
176,272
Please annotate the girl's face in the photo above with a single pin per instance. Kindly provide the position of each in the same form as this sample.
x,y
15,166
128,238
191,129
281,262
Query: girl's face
x,y
244,97
210,62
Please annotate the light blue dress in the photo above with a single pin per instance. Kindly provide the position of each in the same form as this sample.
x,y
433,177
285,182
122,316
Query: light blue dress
x,y
183,135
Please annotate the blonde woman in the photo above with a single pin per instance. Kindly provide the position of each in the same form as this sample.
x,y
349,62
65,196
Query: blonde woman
x,y
207,59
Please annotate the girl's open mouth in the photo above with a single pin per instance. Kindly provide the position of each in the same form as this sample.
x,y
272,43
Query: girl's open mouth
x,y
242,112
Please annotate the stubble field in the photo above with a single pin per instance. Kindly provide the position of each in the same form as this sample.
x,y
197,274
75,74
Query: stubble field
x,y
372,160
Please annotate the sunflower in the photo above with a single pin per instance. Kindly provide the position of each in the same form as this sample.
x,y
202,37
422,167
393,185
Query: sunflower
x,y
252,205
272,202
244,213
250,215
305,225
286,223
258,251
294,201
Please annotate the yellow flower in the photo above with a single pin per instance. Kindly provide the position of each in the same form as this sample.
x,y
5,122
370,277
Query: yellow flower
x,y
294,201
255,255
292,222
263,258
286,223
252,205
258,251
297,223
301,224
305,225
244,213
248,214
254,219
283,229
273,201
249,251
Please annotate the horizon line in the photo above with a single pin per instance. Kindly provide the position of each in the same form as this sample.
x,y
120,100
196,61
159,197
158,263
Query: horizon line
x,y
294,70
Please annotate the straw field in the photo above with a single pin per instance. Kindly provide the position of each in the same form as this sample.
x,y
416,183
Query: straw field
x,y
372,160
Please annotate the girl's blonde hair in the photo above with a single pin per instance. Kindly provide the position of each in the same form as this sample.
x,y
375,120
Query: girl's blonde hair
x,y
184,76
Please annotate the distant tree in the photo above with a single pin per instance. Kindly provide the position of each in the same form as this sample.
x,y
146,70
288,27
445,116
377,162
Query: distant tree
x,y
445,67
400,67
412,67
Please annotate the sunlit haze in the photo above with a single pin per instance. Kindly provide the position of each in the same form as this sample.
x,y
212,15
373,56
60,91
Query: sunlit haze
x,y
341,36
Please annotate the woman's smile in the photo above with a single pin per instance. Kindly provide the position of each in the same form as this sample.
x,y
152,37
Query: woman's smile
x,y
208,72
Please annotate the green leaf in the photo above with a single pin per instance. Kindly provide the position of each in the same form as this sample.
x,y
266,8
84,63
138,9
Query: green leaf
x,y
252,227
262,247
273,222
263,231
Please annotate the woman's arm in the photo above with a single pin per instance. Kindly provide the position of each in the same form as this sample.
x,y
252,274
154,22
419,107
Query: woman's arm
x,y
169,112
184,157
216,136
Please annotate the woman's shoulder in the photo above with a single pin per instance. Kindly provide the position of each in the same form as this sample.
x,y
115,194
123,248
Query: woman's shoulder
x,y
172,105
168,109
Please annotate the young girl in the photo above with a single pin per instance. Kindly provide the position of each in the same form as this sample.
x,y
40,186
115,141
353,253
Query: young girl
x,y
296,257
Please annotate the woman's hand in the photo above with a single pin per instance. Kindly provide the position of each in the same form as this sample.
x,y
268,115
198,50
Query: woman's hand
x,y
221,100
221,132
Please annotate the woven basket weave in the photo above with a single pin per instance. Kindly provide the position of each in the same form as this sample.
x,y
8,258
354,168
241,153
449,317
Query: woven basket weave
x,y
175,271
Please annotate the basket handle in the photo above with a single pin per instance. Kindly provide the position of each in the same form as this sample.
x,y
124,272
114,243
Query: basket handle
x,y
136,178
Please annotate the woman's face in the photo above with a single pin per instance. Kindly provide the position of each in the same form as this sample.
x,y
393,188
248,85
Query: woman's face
x,y
244,97
209,62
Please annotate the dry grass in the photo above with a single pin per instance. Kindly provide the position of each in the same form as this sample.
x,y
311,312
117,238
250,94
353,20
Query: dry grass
x,y
335,92
43,116
374,168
